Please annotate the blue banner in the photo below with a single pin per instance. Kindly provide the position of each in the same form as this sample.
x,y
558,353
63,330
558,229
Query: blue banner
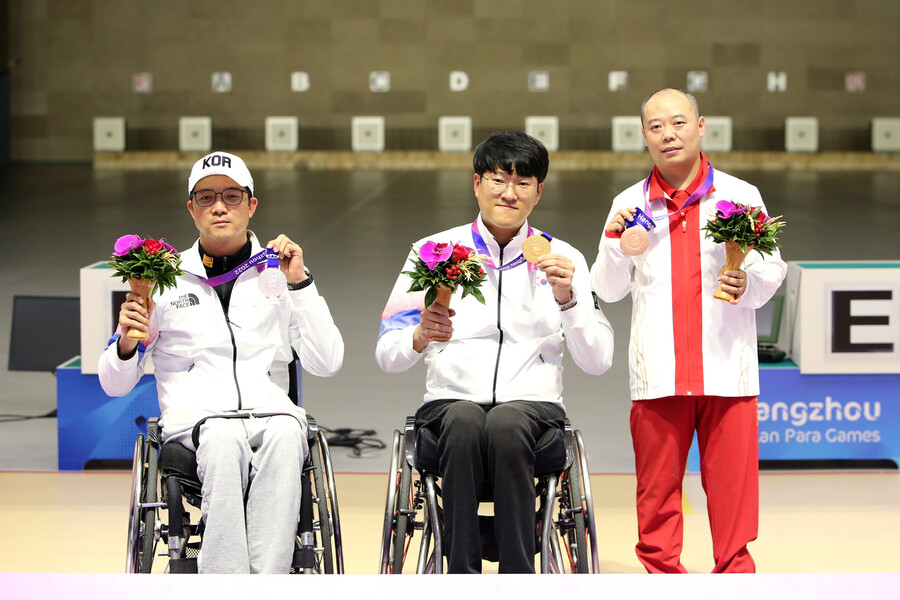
x,y
825,417
821,417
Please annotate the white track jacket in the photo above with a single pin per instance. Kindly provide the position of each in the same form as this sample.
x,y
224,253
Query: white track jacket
x,y
683,340
509,348
207,362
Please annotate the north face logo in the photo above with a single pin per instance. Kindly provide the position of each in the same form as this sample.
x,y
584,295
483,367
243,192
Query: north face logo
x,y
185,300
216,160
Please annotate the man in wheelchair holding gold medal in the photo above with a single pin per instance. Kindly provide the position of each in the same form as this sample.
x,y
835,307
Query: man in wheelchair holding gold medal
x,y
494,360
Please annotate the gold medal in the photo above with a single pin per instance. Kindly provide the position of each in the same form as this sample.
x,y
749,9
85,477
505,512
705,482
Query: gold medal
x,y
535,247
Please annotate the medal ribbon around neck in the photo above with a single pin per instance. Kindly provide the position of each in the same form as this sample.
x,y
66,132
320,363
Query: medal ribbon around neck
x,y
235,272
698,193
482,249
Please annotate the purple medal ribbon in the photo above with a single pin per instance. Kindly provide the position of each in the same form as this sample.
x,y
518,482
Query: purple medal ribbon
x,y
641,219
699,193
482,249
235,272
271,258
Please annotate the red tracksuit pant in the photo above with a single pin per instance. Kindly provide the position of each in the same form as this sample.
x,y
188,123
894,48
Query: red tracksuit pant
x,y
727,431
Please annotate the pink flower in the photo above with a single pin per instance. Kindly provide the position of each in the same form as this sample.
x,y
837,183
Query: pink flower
x,y
728,209
167,246
432,253
126,244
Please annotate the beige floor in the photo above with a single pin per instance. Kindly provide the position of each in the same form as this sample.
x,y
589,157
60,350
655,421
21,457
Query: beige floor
x,y
810,522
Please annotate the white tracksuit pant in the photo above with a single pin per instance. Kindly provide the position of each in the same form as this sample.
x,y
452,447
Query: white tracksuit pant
x,y
250,470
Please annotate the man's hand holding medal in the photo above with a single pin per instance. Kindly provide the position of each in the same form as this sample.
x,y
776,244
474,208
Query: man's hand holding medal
x,y
559,269
284,262
634,227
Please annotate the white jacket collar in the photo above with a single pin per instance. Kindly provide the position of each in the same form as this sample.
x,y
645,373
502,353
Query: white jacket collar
x,y
193,264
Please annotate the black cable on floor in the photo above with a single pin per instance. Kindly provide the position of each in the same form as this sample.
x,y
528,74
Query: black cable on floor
x,y
14,418
358,440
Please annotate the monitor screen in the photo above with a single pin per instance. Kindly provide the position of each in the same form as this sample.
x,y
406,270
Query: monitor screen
x,y
46,332
768,320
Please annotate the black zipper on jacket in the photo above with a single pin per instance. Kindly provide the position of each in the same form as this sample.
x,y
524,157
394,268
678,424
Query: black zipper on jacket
x,y
500,342
237,385
223,292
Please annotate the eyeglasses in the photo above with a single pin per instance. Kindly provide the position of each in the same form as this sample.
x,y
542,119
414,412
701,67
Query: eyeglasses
x,y
206,198
497,185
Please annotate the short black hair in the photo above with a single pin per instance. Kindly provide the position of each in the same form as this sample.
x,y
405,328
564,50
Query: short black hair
x,y
513,152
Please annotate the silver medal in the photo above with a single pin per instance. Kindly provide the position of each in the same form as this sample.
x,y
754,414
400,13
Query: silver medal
x,y
272,282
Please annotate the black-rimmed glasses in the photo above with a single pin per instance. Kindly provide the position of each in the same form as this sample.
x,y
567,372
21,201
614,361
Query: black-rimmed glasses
x,y
206,198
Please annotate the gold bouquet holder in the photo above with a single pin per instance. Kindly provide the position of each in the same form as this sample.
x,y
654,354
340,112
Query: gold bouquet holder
x,y
142,288
734,258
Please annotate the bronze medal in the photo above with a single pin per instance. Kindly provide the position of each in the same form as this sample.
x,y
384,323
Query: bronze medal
x,y
634,241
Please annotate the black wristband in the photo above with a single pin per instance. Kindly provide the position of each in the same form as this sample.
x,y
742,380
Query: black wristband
x,y
130,354
299,286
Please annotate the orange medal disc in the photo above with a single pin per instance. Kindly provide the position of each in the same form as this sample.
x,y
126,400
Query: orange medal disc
x,y
535,247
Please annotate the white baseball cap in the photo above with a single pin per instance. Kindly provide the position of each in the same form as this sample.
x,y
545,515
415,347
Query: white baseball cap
x,y
221,163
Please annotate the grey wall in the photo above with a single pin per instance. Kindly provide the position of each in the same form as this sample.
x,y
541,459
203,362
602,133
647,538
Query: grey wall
x,y
74,60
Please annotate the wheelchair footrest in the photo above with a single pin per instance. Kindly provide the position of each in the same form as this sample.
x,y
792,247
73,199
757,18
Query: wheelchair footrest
x,y
182,565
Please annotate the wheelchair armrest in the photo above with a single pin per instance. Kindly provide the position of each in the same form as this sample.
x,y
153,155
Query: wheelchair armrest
x,y
409,439
153,430
569,439
312,431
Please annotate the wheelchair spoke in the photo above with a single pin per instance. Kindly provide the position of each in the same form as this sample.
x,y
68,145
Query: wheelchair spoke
x,y
390,509
402,530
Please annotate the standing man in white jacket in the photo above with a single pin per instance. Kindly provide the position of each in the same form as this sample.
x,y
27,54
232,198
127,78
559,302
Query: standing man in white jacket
x,y
221,349
692,358
496,385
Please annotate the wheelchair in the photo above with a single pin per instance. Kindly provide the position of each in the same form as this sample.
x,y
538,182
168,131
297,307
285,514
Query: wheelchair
x,y
564,520
165,475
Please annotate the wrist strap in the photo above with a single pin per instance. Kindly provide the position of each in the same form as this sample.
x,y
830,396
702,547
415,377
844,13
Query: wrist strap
x,y
572,302
299,286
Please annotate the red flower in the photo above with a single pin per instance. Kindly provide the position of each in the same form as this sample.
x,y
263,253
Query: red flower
x,y
460,253
152,246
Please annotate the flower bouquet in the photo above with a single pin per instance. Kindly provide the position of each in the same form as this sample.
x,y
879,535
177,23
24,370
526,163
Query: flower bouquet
x,y
440,268
742,228
147,265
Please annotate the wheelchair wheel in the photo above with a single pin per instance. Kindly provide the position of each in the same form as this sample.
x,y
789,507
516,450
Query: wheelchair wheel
x,y
327,508
576,524
575,536
396,527
141,544
403,528
590,523
569,541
